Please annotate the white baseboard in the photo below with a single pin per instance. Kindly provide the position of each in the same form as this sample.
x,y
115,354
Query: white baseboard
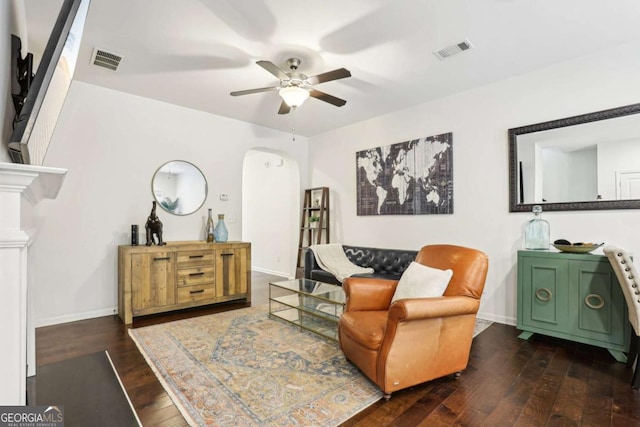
x,y
497,318
76,316
275,273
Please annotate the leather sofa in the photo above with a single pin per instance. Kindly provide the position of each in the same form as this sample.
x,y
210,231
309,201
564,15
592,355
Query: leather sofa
x,y
387,263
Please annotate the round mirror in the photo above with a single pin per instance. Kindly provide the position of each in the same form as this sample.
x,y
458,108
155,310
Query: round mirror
x,y
179,187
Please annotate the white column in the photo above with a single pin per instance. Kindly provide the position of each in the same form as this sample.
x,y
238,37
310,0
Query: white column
x,y
21,188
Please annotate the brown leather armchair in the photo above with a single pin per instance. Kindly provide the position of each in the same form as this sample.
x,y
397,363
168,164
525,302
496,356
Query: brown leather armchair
x,y
414,340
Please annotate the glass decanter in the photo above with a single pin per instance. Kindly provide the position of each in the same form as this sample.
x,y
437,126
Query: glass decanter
x,y
536,232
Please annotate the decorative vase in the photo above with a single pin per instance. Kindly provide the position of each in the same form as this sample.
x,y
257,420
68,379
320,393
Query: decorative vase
x,y
536,233
221,234
210,228
134,235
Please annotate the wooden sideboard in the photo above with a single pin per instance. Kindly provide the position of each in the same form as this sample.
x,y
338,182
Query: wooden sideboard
x,y
155,279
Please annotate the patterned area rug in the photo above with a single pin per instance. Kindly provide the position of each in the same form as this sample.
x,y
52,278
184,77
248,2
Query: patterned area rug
x,y
240,368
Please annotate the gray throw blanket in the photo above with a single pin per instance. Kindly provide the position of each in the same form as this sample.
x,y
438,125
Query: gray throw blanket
x,y
331,257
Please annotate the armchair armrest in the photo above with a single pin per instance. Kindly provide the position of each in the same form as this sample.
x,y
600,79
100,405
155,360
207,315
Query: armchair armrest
x,y
367,294
428,308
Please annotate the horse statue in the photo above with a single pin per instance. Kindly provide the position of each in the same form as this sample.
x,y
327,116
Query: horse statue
x,y
154,226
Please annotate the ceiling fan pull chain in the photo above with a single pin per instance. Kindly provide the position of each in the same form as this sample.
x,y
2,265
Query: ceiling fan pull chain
x,y
293,123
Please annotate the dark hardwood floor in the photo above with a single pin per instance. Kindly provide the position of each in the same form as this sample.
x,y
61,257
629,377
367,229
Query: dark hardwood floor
x,y
509,382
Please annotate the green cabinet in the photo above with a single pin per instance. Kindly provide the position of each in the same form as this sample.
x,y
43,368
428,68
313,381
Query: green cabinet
x,y
572,296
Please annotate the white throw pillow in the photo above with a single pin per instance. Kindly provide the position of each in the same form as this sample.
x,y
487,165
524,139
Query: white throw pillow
x,y
420,281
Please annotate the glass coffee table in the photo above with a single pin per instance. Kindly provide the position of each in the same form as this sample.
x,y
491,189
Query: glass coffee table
x,y
309,304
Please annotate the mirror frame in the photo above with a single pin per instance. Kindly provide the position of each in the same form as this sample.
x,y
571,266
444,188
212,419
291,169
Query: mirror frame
x,y
204,178
514,206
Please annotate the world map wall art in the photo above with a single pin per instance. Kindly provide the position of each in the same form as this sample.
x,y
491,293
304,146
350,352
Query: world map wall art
x,y
408,178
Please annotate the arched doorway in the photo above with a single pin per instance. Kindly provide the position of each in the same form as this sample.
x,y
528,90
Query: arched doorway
x,y
270,204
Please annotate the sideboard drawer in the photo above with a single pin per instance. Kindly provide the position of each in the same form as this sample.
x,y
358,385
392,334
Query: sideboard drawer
x,y
195,258
196,293
196,276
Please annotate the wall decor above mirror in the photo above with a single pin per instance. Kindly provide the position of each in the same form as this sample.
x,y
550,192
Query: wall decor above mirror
x,y
585,162
179,187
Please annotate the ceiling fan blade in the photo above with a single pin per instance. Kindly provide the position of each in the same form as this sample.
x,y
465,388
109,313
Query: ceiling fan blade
x,y
249,91
273,69
284,108
340,73
327,98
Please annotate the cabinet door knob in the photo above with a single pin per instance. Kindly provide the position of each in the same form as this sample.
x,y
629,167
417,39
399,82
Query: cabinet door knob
x,y
544,294
597,305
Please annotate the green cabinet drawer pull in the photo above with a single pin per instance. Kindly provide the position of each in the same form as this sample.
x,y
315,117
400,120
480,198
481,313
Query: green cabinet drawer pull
x,y
544,294
599,301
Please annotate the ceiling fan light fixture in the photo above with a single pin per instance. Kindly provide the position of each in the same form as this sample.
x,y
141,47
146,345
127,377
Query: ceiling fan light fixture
x,y
294,96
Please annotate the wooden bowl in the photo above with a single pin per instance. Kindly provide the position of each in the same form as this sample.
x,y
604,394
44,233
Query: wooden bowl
x,y
577,249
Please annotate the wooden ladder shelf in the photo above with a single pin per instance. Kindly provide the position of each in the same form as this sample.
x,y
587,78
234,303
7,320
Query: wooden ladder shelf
x,y
316,204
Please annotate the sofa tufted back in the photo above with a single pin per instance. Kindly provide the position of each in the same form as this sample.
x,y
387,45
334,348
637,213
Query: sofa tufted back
x,y
388,262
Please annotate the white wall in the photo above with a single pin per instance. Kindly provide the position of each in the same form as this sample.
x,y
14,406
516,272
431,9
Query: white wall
x,y
479,120
112,143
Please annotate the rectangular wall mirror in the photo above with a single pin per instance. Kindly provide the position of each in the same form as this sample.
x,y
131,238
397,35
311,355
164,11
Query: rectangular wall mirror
x,y
585,162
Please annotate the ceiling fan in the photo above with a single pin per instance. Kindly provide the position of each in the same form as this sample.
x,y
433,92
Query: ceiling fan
x,y
296,87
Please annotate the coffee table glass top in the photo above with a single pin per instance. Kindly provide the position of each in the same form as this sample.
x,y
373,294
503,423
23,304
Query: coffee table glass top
x,y
323,291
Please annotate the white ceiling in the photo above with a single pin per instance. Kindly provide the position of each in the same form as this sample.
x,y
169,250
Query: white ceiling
x,y
194,52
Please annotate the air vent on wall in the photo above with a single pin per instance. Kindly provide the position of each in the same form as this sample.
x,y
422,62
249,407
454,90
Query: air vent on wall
x,y
453,49
105,59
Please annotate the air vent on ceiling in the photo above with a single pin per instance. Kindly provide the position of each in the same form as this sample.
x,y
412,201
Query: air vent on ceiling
x,y
105,59
453,49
